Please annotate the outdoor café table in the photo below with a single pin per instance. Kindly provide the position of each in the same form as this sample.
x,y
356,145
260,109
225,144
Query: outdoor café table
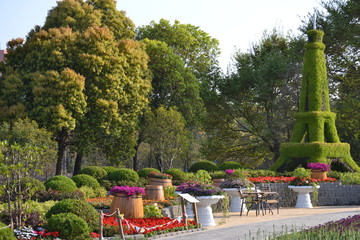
x,y
258,199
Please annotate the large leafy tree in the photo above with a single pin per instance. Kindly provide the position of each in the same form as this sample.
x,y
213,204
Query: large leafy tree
x,y
90,61
167,135
253,112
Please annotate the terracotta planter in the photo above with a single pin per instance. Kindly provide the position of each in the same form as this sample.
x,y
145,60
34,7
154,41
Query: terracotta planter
x,y
130,206
218,181
154,192
318,174
161,182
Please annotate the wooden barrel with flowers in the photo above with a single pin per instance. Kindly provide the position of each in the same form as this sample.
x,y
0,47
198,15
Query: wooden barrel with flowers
x,y
160,179
318,170
128,200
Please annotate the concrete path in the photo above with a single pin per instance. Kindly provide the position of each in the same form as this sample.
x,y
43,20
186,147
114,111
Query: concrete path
x,y
261,227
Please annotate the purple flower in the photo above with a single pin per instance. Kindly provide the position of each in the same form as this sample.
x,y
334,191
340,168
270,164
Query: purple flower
x,y
198,189
128,191
319,166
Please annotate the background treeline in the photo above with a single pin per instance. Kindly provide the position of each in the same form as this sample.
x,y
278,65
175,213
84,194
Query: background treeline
x,y
109,93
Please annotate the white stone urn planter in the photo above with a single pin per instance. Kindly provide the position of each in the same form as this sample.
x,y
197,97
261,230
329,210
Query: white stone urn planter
x,y
204,210
303,198
235,201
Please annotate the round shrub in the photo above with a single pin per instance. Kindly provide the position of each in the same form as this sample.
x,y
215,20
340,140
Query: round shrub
x,y
86,180
109,169
177,174
59,177
79,208
230,165
204,165
62,186
6,232
94,171
218,175
69,225
123,174
146,171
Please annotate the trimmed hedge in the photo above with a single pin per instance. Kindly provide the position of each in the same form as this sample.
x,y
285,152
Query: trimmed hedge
x,y
94,171
78,207
146,171
69,225
61,183
230,165
177,174
203,165
86,180
123,174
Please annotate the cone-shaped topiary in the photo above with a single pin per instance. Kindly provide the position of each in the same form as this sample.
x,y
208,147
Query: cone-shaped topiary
x,y
314,137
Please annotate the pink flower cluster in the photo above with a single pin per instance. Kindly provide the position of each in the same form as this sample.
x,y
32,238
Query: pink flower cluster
x,y
128,191
229,171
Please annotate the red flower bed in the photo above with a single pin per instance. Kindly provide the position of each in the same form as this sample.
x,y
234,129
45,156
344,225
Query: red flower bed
x,y
148,225
283,179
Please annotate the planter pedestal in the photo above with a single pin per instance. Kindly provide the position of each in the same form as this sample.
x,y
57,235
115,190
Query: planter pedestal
x,y
303,198
205,213
235,201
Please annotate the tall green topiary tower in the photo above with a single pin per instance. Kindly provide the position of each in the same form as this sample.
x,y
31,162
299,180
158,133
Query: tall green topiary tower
x,y
314,137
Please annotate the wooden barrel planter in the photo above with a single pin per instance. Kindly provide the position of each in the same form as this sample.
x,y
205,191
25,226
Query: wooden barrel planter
x,y
130,206
218,181
154,192
161,182
318,174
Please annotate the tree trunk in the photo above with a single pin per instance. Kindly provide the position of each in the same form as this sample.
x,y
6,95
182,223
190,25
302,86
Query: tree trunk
x,y
136,147
62,142
78,163
159,160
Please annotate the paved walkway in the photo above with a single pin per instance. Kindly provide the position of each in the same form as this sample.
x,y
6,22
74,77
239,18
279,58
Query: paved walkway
x,y
261,227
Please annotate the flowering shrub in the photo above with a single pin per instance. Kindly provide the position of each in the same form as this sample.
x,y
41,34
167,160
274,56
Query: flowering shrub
x,y
303,182
229,171
319,166
128,191
238,183
198,189
149,226
160,175
283,179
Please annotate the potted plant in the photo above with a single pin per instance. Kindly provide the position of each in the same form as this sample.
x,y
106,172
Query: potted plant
x,y
318,170
303,186
128,200
207,195
218,177
160,179
232,187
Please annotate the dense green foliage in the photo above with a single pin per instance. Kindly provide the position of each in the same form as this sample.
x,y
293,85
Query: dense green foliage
x,y
203,165
6,233
146,171
94,171
69,225
86,180
78,207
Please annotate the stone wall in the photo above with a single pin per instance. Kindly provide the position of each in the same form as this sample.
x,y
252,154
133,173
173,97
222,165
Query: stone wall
x,y
329,194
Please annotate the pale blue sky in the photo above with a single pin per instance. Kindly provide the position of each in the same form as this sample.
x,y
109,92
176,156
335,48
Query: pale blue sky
x,y
235,23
